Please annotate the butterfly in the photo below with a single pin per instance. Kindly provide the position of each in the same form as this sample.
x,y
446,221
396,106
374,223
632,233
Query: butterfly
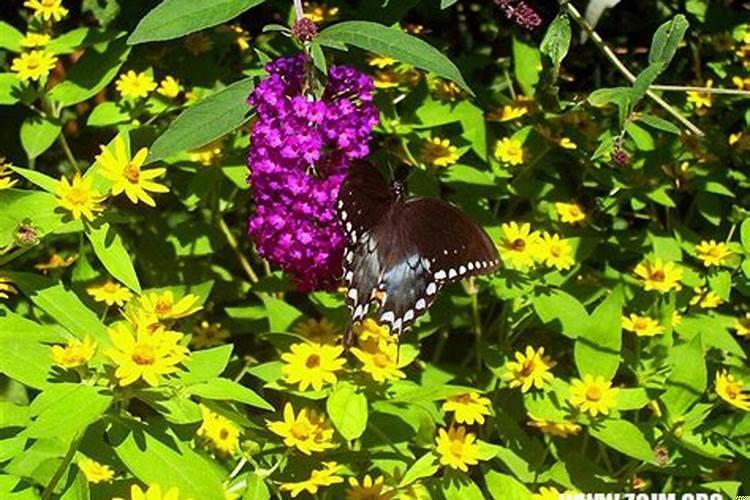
x,y
402,251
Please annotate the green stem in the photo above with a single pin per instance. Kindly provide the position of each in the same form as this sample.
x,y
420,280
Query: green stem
x,y
68,152
244,263
49,490
17,253
702,90
477,328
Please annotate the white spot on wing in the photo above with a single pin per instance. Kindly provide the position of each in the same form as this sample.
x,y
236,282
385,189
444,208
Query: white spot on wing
x,y
431,288
421,304
440,275
452,273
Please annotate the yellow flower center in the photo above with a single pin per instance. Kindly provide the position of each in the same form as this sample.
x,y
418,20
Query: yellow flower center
x,y
33,63
132,173
110,287
555,251
300,430
78,196
457,448
658,276
527,368
519,245
733,391
313,361
224,433
143,354
163,307
49,3
640,324
593,393
381,360
464,399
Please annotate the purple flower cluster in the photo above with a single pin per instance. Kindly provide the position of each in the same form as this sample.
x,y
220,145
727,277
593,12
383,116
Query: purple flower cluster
x,y
301,148
520,13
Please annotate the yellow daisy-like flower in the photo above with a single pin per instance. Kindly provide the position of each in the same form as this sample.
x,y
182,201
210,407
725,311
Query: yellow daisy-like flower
x,y
144,354
439,152
318,478
320,13
319,331
169,87
5,175
241,37
732,390
379,61
530,369
32,40
56,262
75,353
369,329
33,65
94,471
221,433
6,287
368,489
659,276
79,197
127,175
207,155
510,151
701,99
379,360
209,335
511,112
312,365
560,429
556,252
705,299
468,408
742,325
570,213
676,318
387,79
445,90
643,326
547,493
567,143
457,448
712,253
110,293
309,431
48,10
135,85
593,395
519,247
198,43
164,307
154,492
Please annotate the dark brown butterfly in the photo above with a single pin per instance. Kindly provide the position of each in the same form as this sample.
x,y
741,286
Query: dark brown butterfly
x,y
402,251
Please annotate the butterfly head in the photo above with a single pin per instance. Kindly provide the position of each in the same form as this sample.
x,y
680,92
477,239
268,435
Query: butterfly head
x,y
398,188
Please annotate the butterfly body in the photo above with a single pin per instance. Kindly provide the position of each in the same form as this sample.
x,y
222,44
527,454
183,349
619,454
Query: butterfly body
x,y
402,251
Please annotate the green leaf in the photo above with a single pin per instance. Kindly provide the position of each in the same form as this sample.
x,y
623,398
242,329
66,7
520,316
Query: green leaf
x,y
505,487
347,408
624,437
688,379
659,123
45,182
17,207
562,308
281,316
106,114
86,78
619,96
10,37
556,42
205,365
221,388
632,398
10,89
205,121
26,355
644,80
526,63
392,42
426,466
597,349
666,40
444,4
175,18
66,410
108,246
38,133
459,486
745,234
159,457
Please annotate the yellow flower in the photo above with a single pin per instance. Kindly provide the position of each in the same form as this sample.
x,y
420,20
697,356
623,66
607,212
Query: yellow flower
x,y
33,65
510,151
705,299
169,87
56,262
309,431
643,326
457,449
439,152
318,477
567,143
547,493
380,61
742,325
468,408
369,329
154,492
511,112
144,354
556,252
676,318
32,40
79,197
659,276
732,390
312,365
530,369
519,247
135,85
47,9
570,213
220,432
198,43
593,395
5,172
741,83
94,471
163,305
127,175
320,12
318,331
209,335
379,360
368,489
701,99
560,429
241,37
110,293
6,287
207,155
387,79
445,90
76,353
712,253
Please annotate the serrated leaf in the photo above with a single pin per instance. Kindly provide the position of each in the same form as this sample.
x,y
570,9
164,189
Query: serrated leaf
x,y
348,410
393,43
111,251
175,18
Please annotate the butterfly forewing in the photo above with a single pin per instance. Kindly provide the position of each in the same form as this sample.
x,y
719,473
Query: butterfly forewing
x,y
363,199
